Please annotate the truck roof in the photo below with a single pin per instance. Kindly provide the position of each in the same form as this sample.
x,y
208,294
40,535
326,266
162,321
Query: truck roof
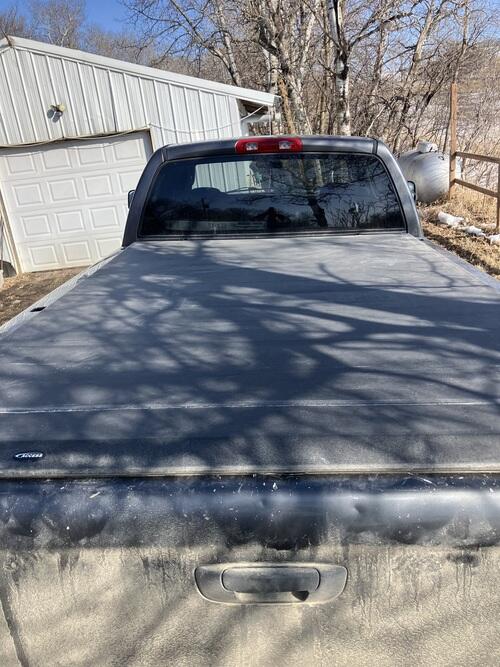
x,y
369,353
310,143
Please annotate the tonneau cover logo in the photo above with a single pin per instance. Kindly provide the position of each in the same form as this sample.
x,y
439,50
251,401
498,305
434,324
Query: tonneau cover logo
x,y
28,456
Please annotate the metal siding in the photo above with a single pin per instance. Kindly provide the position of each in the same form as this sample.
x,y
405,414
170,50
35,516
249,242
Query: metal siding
x,y
7,109
234,114
120,101
135,101
62,95
167,122
102,99
78,98
180,113
39,119
210,115
47,94
223,116
254,96
18,95
3,130
150,102
195,116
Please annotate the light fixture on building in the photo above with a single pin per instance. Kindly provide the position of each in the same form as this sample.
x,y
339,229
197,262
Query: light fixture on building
x,y
58,108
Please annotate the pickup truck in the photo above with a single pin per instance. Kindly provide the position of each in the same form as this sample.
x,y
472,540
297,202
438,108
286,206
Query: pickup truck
x,y
266,431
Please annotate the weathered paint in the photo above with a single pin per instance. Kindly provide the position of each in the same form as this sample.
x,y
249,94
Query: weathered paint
x,y
102,571
286,513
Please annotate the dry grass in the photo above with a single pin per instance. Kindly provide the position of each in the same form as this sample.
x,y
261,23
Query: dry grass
x,y
477,210
21,291
477,251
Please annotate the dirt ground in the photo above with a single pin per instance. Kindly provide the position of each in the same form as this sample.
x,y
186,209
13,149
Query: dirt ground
x,y
478,251
20,292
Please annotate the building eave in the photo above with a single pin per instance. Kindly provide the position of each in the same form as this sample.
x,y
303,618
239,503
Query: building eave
x,y
246,94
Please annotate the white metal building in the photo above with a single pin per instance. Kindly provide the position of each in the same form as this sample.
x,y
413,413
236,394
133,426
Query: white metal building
x,y
75,132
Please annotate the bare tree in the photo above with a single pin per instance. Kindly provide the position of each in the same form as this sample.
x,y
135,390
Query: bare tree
x,y
377,67
59,22
119,45
13,23
195,27
364,66
342,48
285,31
351,25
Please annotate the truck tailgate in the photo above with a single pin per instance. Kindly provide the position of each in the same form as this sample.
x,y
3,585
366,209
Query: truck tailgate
x,y
102,572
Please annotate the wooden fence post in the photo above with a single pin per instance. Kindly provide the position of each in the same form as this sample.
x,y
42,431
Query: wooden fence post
x,y
453,136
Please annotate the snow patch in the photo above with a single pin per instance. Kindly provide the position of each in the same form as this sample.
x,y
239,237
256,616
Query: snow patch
x,y
474,231
448,219
459,223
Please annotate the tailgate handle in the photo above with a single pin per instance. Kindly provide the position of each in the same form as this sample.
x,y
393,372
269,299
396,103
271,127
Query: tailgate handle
x,y
264,580
264,583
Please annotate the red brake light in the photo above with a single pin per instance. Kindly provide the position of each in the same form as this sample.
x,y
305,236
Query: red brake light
x,y
268,145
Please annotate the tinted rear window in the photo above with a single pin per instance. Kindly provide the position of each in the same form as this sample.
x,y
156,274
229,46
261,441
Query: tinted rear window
x,y
271,193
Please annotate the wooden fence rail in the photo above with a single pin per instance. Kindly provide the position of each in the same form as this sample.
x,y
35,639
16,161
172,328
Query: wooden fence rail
x,y
469,156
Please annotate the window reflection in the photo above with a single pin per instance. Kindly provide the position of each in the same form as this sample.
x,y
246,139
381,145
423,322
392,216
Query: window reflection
x,y
272,194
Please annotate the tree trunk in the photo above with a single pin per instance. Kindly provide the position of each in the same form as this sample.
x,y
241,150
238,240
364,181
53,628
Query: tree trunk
x,y
342,113
295,94
231,65
285,104
373,114
341,64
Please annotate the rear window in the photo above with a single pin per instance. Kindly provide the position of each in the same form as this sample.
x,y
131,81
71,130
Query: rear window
x,y
271,194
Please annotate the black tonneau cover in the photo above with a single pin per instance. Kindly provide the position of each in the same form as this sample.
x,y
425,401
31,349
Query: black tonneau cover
x,y
315,354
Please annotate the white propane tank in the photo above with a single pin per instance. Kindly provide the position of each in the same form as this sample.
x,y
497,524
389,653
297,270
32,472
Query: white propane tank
x,y
429,169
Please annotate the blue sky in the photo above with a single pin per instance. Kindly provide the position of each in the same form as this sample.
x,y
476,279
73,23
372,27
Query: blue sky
x,y
106,13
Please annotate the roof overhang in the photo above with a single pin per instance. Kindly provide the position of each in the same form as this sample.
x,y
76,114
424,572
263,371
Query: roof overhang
x,y
247,94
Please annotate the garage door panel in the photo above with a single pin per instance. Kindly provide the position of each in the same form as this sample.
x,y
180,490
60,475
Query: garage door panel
x,y
66,202
40,257
62,191
55,159
104,218
27,194
36,226
97,186
69,222
91,156
20,164
76,252
126,151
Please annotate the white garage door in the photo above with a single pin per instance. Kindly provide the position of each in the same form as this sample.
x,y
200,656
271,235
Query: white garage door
x,y
67,202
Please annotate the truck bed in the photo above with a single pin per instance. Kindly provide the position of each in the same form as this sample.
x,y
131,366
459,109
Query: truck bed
x,y
334,354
